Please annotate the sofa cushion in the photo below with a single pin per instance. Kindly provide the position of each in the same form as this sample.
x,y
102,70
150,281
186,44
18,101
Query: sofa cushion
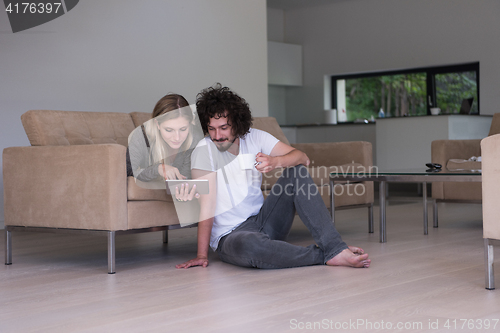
x,y
63,128
495,125
462,191
147,214
137,193
270,125
140,118
337,153
459,164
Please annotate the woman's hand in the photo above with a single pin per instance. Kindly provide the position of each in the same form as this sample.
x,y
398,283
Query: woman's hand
x,y
169,172
182,192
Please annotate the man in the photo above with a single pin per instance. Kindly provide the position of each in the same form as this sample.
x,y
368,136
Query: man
x,y
235,221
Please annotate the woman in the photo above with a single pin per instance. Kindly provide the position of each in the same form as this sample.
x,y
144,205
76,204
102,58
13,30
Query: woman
x,y
161,148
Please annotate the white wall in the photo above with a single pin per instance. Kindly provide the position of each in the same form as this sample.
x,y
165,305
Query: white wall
x,y
277,98
368,35
277,94
333,133
275,25
124,55
405,142
337,133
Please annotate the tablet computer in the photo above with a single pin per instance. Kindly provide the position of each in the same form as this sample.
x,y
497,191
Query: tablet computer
x,y
201,185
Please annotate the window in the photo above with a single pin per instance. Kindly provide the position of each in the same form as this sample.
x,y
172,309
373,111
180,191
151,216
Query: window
x,y
410,92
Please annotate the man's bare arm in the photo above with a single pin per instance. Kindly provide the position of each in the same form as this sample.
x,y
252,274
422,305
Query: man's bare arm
x,y
282,156
207,211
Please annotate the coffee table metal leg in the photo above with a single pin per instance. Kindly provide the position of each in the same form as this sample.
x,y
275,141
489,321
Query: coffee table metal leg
x,y
370,219
435,211
382,188
424,195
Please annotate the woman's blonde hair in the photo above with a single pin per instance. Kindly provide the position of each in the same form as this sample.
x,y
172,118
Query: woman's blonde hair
x,y
171,106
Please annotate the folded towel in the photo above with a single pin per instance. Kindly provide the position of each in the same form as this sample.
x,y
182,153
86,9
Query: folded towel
x,y
472,164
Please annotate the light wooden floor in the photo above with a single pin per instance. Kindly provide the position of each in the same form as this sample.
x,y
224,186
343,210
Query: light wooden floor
x,y
58,283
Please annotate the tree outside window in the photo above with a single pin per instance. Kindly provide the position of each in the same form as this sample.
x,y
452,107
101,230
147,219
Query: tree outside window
x,y
409,92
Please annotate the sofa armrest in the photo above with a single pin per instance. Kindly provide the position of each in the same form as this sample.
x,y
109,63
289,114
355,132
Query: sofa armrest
x,y
80,187
337,153
444,150
491,183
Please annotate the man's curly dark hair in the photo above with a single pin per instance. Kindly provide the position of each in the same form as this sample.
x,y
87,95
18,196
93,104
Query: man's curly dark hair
x,y
219,101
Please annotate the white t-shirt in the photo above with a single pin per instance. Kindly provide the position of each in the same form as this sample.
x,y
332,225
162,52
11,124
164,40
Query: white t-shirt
x,y
239,194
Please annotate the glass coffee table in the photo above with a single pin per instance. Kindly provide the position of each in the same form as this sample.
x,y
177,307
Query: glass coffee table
x,y
418,175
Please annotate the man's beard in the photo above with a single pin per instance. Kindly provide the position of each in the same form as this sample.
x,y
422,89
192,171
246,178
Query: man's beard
x,y
223,146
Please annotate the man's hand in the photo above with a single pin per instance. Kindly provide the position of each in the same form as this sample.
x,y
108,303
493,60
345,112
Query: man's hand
x,y
207,210
198,261
266,163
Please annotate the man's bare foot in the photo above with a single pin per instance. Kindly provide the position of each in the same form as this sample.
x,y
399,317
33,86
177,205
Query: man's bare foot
x,y
356,250
351,257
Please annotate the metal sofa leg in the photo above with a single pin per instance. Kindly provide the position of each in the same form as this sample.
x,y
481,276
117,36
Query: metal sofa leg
x,y
111,252
426,215
165,236
8,247
488,261
370,218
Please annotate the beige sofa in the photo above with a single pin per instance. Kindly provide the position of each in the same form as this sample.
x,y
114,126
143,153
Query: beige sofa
x,y
73,177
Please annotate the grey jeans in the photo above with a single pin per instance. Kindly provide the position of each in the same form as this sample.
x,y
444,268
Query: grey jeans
x,y
259,241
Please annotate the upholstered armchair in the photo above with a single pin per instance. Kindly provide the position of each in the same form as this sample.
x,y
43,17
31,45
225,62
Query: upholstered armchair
x,y
491,198
446,152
